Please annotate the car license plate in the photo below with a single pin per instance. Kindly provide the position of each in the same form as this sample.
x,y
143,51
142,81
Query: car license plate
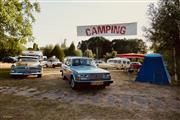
x,y
97,83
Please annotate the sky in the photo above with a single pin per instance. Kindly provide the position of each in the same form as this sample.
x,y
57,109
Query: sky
x,y
58,19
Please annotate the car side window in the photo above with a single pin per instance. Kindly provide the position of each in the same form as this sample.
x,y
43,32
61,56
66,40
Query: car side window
x,y
119,61
68,62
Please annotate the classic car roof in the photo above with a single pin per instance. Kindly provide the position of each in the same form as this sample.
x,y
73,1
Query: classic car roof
x,y
28,57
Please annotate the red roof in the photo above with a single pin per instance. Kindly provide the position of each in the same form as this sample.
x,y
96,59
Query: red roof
x,y
130,55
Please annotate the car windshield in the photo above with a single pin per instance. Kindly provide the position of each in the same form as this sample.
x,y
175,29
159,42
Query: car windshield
x,y
28,59
84,62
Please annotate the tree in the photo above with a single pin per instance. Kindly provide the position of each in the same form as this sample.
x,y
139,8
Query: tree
x,y
78,53
98,45
110,55
47,50
70,51
164,31
128,46
35,47
88,53
16,18
63,45
83,45
102,46
58,52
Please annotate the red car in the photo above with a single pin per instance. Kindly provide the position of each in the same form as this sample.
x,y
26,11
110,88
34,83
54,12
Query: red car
x,y
135,65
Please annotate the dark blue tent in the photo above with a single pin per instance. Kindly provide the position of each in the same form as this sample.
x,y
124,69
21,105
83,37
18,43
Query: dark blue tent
x,y
153,70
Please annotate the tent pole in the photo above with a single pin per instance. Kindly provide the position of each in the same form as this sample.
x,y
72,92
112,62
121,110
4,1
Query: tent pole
x,y
175,72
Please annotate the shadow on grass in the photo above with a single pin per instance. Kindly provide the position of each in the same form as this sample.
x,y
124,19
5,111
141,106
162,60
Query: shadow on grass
x,y
4,73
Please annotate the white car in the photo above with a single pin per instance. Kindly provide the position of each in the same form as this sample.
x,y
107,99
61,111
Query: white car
x,y
53,63
119,63
106,65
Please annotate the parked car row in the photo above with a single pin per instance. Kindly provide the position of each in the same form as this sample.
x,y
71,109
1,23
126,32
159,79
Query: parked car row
x,y
116,63
79,71
9,59
119,63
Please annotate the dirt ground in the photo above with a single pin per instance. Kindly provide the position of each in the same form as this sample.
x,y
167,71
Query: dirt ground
x,y
35,97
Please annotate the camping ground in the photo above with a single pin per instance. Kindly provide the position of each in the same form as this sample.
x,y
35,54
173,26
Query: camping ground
x,y
51,98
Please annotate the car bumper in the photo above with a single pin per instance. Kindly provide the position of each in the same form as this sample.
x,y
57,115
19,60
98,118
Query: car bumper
x,y
102,82
38,73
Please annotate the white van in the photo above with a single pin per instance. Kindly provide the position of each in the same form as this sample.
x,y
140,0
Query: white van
x,y
119,63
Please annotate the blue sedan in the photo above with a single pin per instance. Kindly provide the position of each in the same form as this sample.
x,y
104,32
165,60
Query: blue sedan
x,y
83,71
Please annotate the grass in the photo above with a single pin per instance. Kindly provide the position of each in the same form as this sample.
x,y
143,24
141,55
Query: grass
x,y
4,73
23,108
31,82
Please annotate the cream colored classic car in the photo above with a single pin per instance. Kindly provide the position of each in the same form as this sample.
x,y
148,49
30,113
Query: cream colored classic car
x,y
27,65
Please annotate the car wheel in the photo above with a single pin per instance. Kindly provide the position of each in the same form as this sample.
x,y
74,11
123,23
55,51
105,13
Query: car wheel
x,y
39,76
73,85
13,76
102,86
63,77
53,66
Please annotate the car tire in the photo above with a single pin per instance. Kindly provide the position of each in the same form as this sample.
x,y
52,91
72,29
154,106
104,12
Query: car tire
x,y
13,76
39,76
73,85
102,86
63,77
53,66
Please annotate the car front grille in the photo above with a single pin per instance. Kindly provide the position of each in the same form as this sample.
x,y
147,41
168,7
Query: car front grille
x,y
27,69
96,76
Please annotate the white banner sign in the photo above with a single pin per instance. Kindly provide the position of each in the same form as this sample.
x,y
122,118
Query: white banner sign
x,y
108,30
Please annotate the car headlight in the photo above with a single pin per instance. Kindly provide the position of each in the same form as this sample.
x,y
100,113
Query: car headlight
x,y
82,77
107,76
39,66
13,68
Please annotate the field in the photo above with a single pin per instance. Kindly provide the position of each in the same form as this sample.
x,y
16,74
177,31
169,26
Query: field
x,y
51,98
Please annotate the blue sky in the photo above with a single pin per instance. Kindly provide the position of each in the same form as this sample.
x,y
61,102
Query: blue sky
x,y
58,19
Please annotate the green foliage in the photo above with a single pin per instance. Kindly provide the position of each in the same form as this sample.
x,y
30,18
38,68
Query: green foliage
x,y
96,44
101,46
89,53
10,48
47,50
78,53
129,46
70,51
16,18
35,47
114,53
110,55
164,32
58,52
